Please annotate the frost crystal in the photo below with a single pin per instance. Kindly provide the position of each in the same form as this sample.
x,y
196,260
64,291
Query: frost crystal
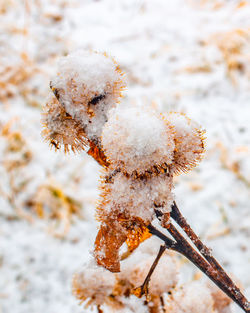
x,y
136,197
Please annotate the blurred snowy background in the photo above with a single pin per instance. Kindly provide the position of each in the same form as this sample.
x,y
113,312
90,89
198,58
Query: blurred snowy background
x,y
182,55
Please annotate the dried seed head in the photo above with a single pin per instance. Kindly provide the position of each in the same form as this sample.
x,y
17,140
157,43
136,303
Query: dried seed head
x,y
189,142
60,129
135,138
164,278
194,297
93,283
87,85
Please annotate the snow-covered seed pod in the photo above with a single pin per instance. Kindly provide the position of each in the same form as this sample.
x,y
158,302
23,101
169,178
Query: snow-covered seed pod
x,y
137,139
139,146
137,269
87,85
194,297
93,283
127,205
221,300
135,198
189,142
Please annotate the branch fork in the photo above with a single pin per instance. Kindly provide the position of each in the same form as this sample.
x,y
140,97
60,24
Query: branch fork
x,y
201,257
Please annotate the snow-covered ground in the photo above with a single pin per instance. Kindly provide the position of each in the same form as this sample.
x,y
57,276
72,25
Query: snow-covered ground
x,y
182,55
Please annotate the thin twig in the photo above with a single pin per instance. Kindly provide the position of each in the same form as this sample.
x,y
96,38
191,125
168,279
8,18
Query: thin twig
x,y
144,286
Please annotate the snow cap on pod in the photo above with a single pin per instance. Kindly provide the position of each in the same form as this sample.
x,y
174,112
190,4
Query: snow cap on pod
x,y
136,138
86,86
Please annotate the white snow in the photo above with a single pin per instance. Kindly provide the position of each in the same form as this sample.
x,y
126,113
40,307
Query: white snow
x,y
82,76
174,57
93,282
193,297
89,70
137,197
137,138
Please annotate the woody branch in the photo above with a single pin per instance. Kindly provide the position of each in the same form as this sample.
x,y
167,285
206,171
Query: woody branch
x,y
203,260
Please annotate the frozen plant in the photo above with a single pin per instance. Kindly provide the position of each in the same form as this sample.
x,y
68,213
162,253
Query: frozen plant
x,y
140,151
144,150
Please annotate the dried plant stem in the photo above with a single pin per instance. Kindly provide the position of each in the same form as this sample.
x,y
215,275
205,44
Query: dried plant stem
x,y
99,310
144,286
204,261
206,252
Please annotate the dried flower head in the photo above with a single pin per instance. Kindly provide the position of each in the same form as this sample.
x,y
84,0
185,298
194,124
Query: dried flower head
x,y
196,297
93,283
60,129
136,138
189,142
86,86
139,148
144,150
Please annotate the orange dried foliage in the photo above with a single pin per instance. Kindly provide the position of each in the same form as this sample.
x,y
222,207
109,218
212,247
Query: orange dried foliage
x,y
136,236
98,154
16,156
108,241
116,229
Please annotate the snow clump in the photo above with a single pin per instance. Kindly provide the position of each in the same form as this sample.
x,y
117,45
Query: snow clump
x,y
135,138
87,85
